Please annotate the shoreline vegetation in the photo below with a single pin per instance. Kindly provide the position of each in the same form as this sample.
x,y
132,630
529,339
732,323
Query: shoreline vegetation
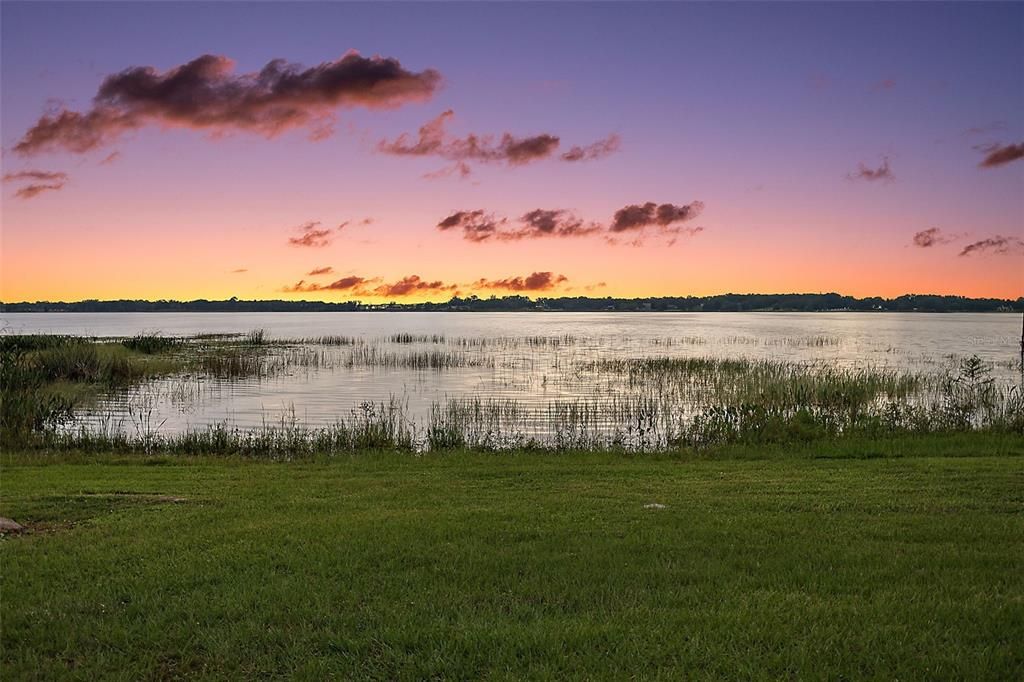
x,y
693,404
829,302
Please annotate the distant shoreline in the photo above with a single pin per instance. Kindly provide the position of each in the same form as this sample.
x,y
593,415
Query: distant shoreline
x,y
760,303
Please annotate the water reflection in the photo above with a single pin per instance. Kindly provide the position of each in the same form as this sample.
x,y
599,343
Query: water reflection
x,y
541,361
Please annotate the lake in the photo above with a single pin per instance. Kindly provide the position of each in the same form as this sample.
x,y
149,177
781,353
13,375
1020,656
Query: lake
x,y
529,362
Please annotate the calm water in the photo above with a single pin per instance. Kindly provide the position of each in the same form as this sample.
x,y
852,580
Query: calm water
x,y
534,359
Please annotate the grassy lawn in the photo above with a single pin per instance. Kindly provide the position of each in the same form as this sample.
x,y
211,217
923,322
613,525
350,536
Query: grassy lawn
x,y
509,566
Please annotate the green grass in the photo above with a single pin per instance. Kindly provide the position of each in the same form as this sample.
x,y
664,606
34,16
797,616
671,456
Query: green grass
x,y
511,566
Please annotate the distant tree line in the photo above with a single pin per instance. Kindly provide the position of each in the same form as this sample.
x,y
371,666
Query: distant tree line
x,y
925,303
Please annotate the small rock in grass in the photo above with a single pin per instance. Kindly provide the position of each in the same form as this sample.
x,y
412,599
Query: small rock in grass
x,y
10,525
654,505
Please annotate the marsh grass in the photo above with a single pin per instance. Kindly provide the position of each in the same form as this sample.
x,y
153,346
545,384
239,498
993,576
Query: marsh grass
x,y
433,359
634,404
151,344
44,377
416,338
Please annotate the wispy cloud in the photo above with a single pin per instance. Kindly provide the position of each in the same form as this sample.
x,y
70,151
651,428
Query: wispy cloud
x,y
933,236
433,140
109,159
354,223
597,150
992,127
311,234
997,244
320,271
36,176
206,94
1000,155
39,182
882,173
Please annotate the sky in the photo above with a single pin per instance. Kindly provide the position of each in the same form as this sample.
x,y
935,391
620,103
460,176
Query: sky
x,y
409,152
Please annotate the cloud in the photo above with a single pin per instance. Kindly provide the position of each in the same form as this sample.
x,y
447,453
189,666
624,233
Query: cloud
x,y
39,182
320,271
410,285
311,235
883,172
355,285
639,216
933,236
459,168
480,226
995,245
1000,155
239,271
597,150
357,223
883,85
413,285
551,223
433,140
29,191
538,281
36,175
994,126
351,283
109,159
206,94
476,226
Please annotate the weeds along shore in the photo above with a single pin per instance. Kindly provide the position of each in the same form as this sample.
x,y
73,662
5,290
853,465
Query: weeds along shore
x,y
636,404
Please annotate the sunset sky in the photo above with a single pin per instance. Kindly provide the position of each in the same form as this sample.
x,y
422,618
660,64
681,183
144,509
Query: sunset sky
x,y
414,151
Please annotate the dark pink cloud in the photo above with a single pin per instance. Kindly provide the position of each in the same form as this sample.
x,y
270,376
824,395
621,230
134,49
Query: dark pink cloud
x,y
1000,155
665,219
476,226
413,284
311,235
206,94
352,283
36,175
597,150
38,182
664,216
320,271
933,236
551,223
433,140
354,223
997,244
538,281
